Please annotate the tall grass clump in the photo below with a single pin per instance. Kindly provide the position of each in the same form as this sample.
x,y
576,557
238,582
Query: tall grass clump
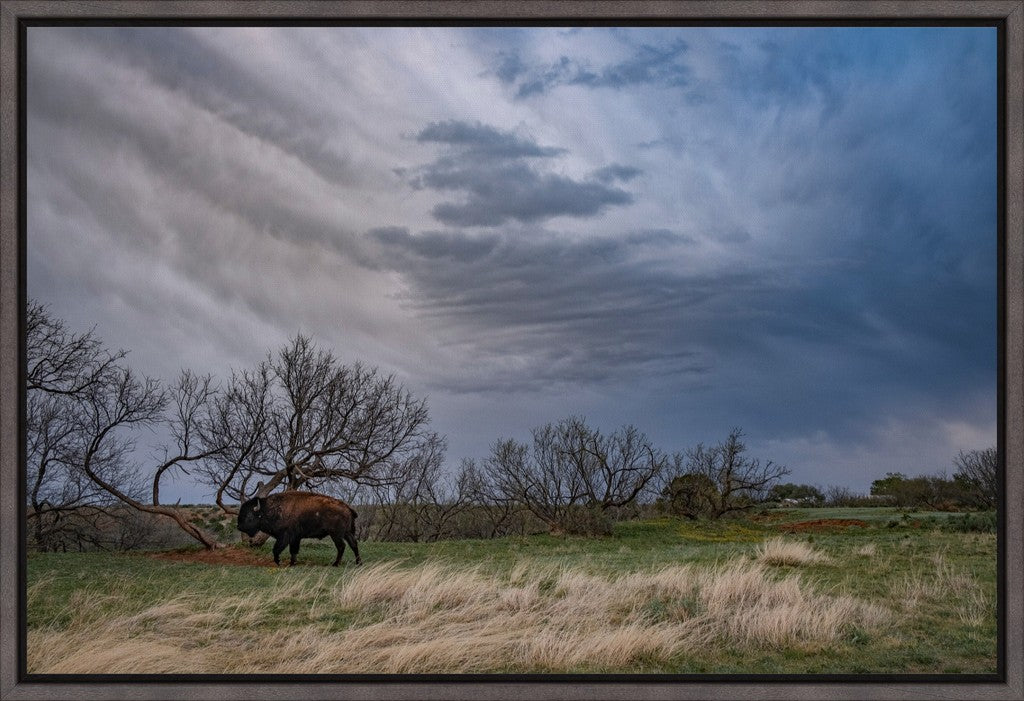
x,y
778,551
867,550
439,617
941,583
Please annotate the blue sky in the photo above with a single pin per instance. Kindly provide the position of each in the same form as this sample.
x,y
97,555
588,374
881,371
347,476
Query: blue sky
x,y
791,230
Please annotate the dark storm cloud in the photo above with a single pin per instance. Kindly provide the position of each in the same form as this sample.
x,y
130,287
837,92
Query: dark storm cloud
x,y
494,172
864,286
484,141
649,65
615,171
579,313
435,244
571,311
497,194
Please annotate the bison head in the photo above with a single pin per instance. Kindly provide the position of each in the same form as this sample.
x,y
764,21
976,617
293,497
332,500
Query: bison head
x,y
249,516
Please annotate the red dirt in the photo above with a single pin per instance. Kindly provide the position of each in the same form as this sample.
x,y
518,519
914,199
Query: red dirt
x,y
822,524
245,557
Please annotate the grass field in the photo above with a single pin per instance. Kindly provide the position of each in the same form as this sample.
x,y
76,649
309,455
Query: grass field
x,y
798,591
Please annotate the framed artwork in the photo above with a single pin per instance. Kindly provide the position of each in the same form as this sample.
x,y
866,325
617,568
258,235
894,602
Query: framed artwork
x,y
482,350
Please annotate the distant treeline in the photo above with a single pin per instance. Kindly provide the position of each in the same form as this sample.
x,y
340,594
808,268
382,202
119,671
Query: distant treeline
x,y
974,486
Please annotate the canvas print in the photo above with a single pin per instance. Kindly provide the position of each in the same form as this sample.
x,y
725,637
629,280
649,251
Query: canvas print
x,y
498,349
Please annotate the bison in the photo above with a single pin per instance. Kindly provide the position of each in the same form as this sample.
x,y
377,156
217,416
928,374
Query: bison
x,y
291,516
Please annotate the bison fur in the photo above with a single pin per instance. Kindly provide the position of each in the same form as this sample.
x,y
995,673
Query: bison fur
x,y
291,516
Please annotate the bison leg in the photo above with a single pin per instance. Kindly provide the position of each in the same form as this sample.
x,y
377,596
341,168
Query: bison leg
x,y
351,538
293,548
339,543
279,545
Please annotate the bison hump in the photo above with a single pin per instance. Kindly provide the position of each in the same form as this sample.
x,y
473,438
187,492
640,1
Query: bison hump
x,y
309,500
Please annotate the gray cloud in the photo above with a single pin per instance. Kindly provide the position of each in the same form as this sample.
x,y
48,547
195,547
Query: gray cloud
x,y
496,195
175,151
434,245
615,171
510,66
492,169
569,312
226,87
649,65
484,141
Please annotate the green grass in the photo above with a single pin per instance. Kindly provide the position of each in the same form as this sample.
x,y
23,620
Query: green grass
x,y
871,514
937,586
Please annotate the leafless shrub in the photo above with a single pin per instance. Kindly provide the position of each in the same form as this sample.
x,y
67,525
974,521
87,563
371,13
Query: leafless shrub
x,y
740,482
977,471
571,475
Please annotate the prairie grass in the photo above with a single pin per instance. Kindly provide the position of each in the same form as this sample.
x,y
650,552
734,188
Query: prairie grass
x,y
659,596
941,582
440,617
868,550
792,553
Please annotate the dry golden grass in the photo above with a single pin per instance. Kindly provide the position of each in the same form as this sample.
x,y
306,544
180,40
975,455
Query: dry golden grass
x,y
793,553
440,618
941,582
866,550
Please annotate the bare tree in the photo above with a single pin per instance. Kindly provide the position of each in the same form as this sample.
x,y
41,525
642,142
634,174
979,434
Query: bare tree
x,y
55,490
537,477
60,367
436,498
486,496
570,466
304,420
615,469
83,409
64,370
739,481
300,418
839,495
109,414
978,472
238,423
424,501
60,362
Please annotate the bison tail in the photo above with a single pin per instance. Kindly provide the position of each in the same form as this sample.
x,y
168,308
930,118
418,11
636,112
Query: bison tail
x,y
354,514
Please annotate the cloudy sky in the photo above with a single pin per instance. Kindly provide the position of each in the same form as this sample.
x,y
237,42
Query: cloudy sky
x,y
791,230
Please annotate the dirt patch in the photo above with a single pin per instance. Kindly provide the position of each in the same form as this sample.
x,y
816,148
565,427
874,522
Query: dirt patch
x,y
822,524
246,557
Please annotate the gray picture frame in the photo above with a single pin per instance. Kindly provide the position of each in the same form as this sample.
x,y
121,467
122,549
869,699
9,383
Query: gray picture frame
x,y
1010,12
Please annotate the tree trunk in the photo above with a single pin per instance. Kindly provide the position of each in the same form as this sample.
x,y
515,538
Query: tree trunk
x,y
208,540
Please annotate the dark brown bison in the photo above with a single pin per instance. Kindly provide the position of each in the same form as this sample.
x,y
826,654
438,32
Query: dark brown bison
x,y
291,516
